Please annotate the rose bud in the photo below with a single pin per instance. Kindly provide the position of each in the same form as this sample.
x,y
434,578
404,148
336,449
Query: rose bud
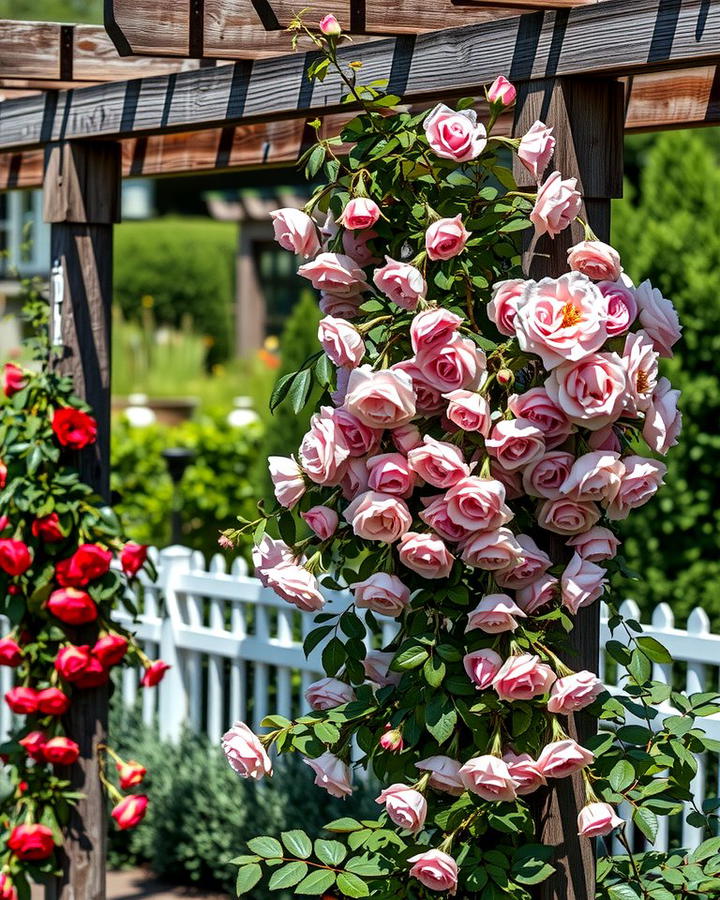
x,y
10,653
130,811
392,740
574,692
110,649
502,91
74,428
72,661
597,820
436,870
3,482
48,528
86,564
327,693
61,751
154,673
562,758
93,675
22,700
31,842
330,26
7,888
4,521
244,752
406,807
133,558
131,774
52,702
72,606
15,558
22,787
13,380
505,377
33,744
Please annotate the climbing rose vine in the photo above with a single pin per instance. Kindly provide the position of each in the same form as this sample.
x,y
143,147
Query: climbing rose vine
x,y
479,436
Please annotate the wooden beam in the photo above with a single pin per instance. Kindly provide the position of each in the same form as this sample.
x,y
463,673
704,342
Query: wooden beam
x,y
521,5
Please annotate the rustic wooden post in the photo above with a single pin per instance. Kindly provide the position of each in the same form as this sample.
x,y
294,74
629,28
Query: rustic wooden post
x,y
587,116
81,200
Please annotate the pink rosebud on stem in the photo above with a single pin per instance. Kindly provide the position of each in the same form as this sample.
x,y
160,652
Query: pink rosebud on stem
x,y
502,92
330,26
392,740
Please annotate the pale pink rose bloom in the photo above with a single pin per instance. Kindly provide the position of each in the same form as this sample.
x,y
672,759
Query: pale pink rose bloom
x,y
563,758
640,482
347,307
436,870
524,772
378,517
507,298
469,411
558,204
401,282
502,91
444,774
457,364
598,820
536,406
297,586
382,593
390,473
495,613
537,594
622,308
659,318
574,692
295,231
567,516
511,481
288,480
360,213
406,438
268,554
523,678
428,398
355,480
330,26
536,149
245,753
356,245
438,463
455,135
515,443
437,517
433,328
335,273
593,392
563,319
342,376
596,544
605,438
332,774
534,563
492,550
597,260
322,520
341,342
489,778
582,583
323,450
382,399
663,420
425,554
545,476
327,693
358,437
594,476
482,666
446,238
641,364
406,807
478,504
377,668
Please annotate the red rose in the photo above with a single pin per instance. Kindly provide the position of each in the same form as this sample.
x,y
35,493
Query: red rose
x,y
154,673
130,811
14,557
131,773
3,475
110,649
4,522
133,558
22,700
72,661
52,702
93,675
7,888
33,744
86,564
61,751
74,428
10,653
73,607
31,842
14,379
48,528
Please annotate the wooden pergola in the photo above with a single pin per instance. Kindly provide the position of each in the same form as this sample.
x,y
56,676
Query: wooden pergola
x,y
207,85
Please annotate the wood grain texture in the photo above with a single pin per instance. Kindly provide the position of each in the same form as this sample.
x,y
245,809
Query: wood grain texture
x,y
82,183
521,5
149,24
29,50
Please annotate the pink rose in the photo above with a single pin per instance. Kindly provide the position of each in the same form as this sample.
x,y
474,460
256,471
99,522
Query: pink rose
x,y
597,260
537,594
390,473
405,807
469,411
622,308
268,554
663,421
378,517
495,613
582,583
435,870
360,213
457,364
328,693
515,443
596,544
343,307
545,476
574,692
523,678
401,282
330,26
433,329
446,238
563,758
593,392
295,231
382,593
355,480
492,550
641,364
380,399
511,481
536,149
478,504
335,273
482,666
245,753
356,245
489,778
502,91
563,319
598,820
557,205
297,586
322,520
437,517
341,341
567,516
332,774
524,772
659,318
594,476
639,484
323,449
438,463
605,438
288,480
508,297
358,437
443,774
425,554
455,135
536,406
406,438
428,399
377,668
534,563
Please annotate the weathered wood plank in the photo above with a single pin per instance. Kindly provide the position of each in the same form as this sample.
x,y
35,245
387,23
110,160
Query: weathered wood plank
x,y
683,99
30,50
521,5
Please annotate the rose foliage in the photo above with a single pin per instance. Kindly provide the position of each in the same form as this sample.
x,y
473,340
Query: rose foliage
x,y
479,438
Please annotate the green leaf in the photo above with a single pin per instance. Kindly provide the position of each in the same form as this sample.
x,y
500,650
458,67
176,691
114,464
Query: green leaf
x,y
647,822
326,732
280,390
332,853
267,847
333,656
622,892
411,657
440,718
275,722
315,637
621,776
300,390
344,825
653,649
352,886
297,843
247,877
317,158
316,883
434,671
288,876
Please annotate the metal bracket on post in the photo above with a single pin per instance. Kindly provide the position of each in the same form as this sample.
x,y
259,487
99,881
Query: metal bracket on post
x,y
57,295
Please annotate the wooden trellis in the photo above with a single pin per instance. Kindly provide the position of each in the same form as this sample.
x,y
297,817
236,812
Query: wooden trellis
x,y
590,68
